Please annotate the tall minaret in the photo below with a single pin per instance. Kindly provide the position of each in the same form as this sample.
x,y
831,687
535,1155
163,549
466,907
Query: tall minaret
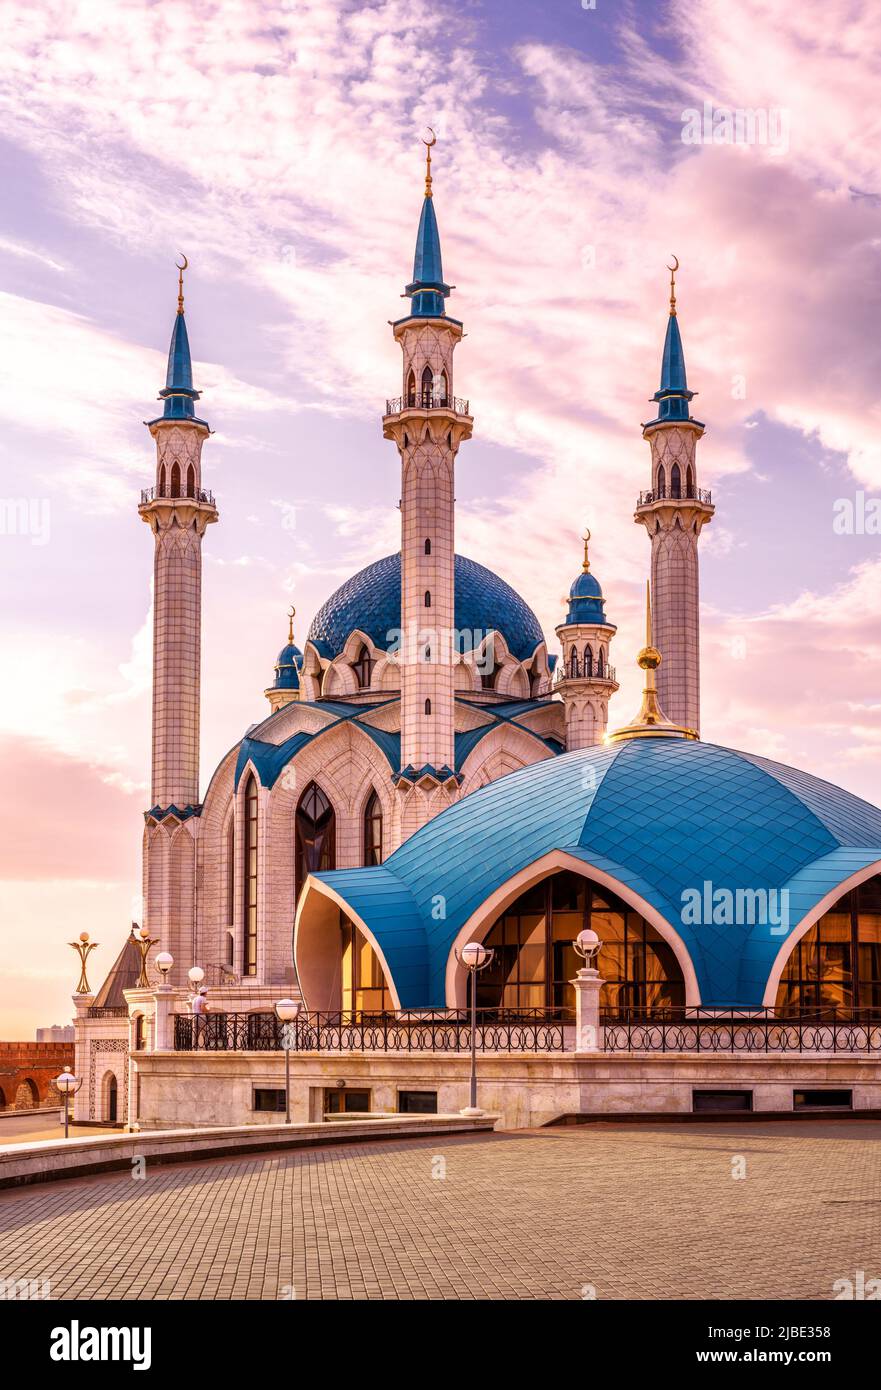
x,y
177,510
586,679
428,424
673,512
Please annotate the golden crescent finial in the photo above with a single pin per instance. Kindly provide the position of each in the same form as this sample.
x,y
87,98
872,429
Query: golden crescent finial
x,y
673,269
429,145
180,283
586,538
291,615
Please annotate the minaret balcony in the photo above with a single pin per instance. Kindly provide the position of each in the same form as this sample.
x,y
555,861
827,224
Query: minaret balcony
x,y
152,494
606,676
427,400
664,494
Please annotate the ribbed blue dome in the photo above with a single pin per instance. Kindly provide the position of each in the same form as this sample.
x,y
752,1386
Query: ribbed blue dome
x,y
660,817
371,602
586,603
287,673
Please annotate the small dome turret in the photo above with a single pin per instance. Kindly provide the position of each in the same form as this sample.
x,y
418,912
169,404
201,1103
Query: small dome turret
x,y
586,602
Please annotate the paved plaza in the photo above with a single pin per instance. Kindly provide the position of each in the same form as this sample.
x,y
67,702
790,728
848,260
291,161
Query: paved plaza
x,y
611,1211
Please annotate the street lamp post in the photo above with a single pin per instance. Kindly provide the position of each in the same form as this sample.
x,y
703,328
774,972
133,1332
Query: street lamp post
x,y
288,1011
474,957
587,985
68,1085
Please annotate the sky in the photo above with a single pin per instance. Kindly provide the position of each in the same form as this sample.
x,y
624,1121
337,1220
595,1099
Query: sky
x,y
277,145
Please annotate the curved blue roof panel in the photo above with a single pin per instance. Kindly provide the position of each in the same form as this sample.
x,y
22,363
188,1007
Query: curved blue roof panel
x,y
371,602
662,816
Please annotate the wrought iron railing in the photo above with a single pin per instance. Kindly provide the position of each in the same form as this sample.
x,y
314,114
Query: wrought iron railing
x,y
148,494
427,400
583,670
741,1030
442,1030
682,494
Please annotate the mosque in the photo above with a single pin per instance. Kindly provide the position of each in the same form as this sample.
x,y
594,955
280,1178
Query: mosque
x,y
429,774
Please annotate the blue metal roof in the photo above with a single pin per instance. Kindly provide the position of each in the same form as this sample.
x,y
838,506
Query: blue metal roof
x,y
270,759
586,603
673,398
287,668
371,602
179,394
427,289
661,816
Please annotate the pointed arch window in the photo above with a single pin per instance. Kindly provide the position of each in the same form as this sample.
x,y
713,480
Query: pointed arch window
x,y
588,660
249,954
411,390
427,598
230,870
191,481
442,389
689,481
175,480
601,663
373,830
315,831
428,547
427,387
428,707
573,663
675,481
363,668
162,481
662,481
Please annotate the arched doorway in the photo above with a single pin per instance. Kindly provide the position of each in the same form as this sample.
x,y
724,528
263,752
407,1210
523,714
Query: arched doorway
x,y
111,1103
2,1099
836,965
535,959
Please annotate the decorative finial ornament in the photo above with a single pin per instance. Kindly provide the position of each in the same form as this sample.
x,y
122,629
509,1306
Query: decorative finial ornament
x,y
429,145
586,538
291,615
651,722
144,942
180,283
673,269
83,948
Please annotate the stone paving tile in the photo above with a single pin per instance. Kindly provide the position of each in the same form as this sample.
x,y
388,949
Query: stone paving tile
x,y
638,1212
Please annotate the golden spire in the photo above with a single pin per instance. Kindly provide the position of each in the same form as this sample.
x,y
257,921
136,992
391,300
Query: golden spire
x,y
291,616
651,722
586,538
673,269
180,284
428,148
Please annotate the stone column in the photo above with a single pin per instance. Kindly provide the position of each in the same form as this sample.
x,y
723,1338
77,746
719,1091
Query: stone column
x,y
163,1037
79,1109
588,1034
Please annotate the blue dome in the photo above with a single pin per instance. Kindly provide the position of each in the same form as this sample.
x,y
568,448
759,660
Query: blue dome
x,y
586,600
660,817
287,673
371,602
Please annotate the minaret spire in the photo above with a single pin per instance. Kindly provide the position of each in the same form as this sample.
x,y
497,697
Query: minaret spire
x,y
428,424
673,512
180,285
178,510
586,680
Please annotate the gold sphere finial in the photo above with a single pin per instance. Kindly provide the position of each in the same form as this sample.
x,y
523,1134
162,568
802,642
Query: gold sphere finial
x,y
673,269
429,145
84,936
180,282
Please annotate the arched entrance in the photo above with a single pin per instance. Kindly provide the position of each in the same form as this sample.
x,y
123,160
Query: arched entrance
x,y
535,959
837,963
111,1103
